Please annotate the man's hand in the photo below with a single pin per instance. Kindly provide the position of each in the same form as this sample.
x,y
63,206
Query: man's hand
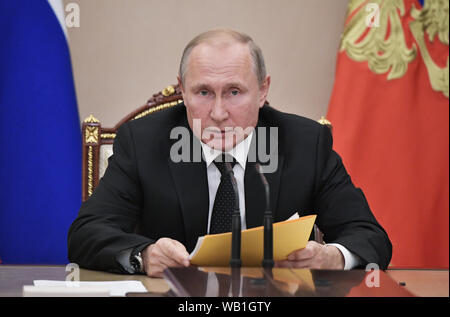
x,y
162,254
314,256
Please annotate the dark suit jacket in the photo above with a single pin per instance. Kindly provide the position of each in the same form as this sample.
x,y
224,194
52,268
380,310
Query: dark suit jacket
x,y
144,195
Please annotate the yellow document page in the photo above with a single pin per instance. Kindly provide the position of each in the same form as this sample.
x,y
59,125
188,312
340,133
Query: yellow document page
x,y
288,236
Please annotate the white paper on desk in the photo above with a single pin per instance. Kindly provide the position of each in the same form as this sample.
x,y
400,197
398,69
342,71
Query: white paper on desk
x,y
116,288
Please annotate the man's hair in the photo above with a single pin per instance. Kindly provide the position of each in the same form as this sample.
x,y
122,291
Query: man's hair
x,y
255,52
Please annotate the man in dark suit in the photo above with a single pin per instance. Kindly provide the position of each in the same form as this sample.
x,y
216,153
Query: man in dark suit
x,y
149,208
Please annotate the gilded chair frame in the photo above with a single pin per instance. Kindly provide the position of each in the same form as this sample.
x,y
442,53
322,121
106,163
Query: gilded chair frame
x,y
94,135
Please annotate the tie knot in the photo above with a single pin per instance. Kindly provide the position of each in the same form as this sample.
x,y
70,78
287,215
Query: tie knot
x,y
221,160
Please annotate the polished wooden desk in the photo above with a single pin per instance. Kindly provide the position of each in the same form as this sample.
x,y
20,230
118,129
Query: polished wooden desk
x,y
424,283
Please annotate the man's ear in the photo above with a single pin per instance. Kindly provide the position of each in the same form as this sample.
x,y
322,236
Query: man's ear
x,y
180,84
263,91
183,91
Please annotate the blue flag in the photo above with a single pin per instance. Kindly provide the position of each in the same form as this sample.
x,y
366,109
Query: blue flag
x,y
40,136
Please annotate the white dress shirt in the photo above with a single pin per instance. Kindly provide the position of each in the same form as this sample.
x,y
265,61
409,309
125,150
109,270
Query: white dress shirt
x,y
240,153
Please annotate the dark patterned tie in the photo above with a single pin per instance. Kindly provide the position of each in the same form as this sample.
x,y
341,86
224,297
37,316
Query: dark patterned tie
x,y
224,201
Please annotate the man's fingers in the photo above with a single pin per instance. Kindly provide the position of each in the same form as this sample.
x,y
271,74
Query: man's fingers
x,y
175,251
293,264
300,255
315,256
168,262
162,254
283,264
303,254
155,270
158,258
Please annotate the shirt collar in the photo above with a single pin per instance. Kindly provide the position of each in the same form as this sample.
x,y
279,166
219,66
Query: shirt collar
x,y
239,152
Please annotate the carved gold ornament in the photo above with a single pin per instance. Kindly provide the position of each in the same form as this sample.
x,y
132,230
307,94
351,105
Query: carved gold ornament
x,y
90,169
91,119
108,135
160,107
168,91
384,46
91,134
324,121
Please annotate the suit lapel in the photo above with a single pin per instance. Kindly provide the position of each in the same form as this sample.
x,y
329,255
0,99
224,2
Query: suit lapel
x,y
191,183
254,190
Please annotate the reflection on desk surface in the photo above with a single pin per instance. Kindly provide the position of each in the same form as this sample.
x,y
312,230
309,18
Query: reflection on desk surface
x,y
283,282
257,282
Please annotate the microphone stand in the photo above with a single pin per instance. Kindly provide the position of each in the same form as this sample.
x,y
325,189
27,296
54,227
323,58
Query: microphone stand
x,y
235,261
267,262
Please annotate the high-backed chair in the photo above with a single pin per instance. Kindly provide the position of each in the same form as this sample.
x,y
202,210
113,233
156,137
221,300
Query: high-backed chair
x,y
98,141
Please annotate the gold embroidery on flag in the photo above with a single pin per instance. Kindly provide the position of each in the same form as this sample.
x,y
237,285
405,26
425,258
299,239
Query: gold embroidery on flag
x,y
384,47
384,52
432,19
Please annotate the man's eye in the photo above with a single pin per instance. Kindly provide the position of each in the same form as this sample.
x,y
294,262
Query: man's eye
x,y
235,92
203,93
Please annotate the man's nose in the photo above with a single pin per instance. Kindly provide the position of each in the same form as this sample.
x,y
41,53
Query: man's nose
x,y
219,111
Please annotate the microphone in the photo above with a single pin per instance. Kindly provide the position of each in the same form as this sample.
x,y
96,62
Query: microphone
x,y
235,261
267,262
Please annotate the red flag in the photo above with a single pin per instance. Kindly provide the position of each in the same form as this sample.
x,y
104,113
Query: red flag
x,y
390,115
